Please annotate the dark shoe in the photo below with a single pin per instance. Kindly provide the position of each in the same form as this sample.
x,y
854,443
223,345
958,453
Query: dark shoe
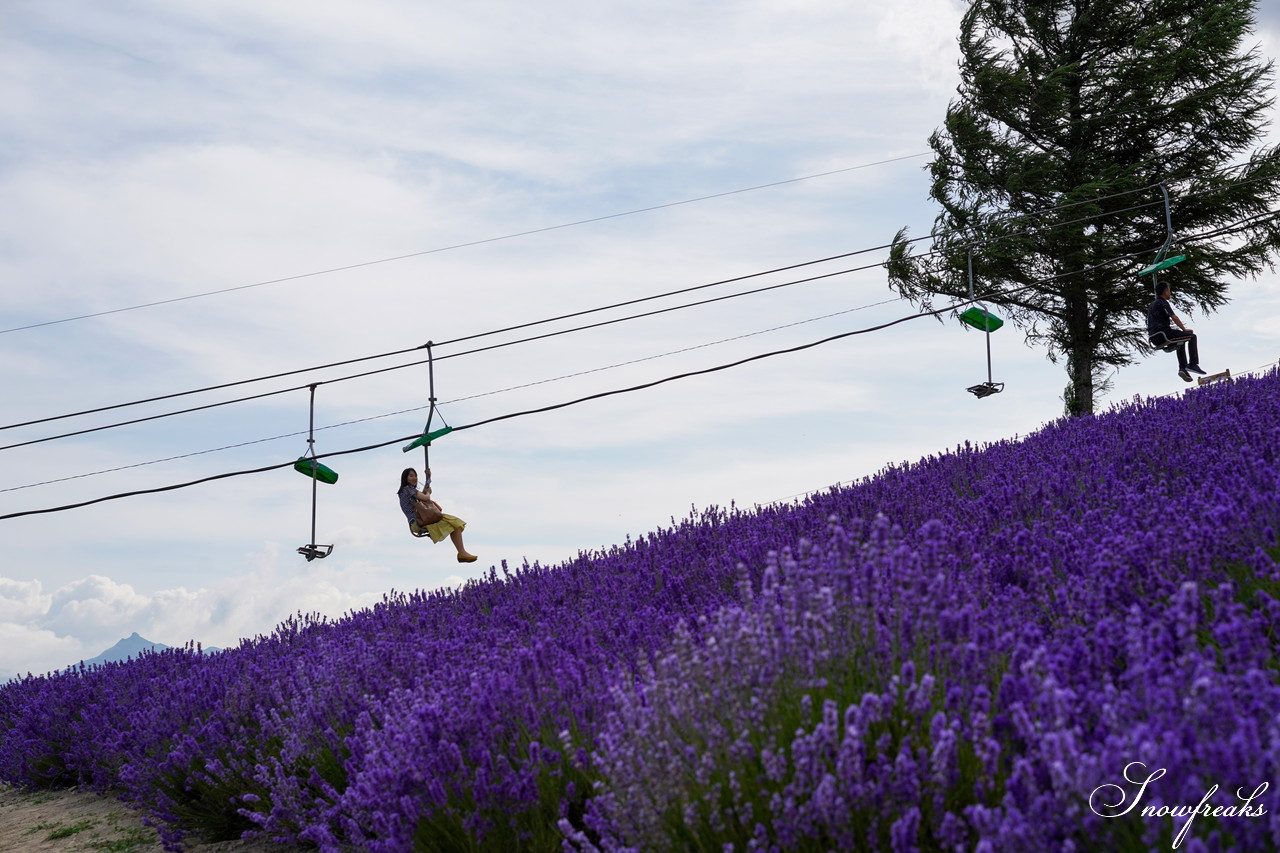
x,y
1186,376
1195,368
473,557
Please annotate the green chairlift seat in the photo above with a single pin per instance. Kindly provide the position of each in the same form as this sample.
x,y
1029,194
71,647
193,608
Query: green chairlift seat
x,y
981,319
1163,265
312,468
425,440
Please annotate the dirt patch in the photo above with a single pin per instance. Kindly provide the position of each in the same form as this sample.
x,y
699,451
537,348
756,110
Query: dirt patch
x,y
71,820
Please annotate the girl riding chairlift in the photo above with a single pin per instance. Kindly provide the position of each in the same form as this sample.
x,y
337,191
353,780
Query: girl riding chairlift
x,y
427,518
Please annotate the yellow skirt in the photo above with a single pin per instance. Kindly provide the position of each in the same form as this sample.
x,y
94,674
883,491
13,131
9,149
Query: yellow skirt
x,y
441,529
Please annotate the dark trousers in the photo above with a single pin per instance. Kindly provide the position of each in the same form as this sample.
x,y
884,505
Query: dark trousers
x,y
1185,340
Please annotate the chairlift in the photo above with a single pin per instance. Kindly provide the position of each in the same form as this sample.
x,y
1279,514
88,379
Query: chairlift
x,y
428,435
1160,340
1161,262
318,473
978,317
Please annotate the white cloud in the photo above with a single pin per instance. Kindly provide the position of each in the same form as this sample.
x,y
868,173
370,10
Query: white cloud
x,y
925,32
22,600
93,607
42,631
25,648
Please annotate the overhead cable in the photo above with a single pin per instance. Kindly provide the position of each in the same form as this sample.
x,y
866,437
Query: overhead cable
x,y
464,338
528,233
1226,229
541,410
455,400
504,330
225,385
368,373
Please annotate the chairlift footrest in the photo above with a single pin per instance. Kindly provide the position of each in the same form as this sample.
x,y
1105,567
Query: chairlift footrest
x,y
315,552
1224,376
985,389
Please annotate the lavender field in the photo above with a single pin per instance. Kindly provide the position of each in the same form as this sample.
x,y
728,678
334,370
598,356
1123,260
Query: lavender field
x,y
1065,642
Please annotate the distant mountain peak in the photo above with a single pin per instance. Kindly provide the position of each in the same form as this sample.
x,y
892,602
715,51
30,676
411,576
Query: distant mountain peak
x,y
131,646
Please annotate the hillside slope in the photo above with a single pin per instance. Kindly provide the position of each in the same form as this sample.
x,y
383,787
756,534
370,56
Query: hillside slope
x,y
970,650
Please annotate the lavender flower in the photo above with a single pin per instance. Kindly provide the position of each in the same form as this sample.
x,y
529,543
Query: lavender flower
x,y
956,654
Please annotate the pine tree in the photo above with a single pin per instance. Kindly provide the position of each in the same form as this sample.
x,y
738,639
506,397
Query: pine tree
x,y
1070,115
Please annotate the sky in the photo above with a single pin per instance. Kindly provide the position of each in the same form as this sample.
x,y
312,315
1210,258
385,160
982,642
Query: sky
x,y
359,179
